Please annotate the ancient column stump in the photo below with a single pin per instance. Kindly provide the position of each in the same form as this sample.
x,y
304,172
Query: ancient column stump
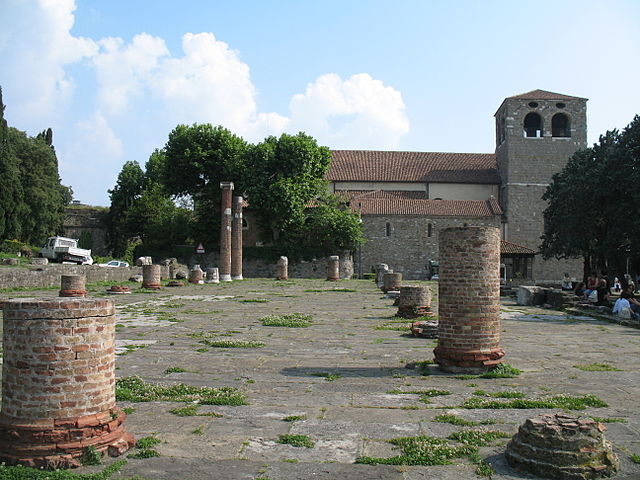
x,y
469,300
333,268
391,282
151,277
282,269
414,301
381,269
196,275
562,447
72,286
118,290
213,275
58,382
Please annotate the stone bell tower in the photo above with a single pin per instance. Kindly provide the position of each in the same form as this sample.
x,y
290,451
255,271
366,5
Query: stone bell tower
x,y
536,134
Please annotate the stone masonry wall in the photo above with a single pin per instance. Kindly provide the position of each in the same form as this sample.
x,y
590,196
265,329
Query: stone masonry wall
x,y
409,248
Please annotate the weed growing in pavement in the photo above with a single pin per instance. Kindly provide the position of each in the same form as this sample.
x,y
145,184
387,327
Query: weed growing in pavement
x,y
91,456
27,473
128,410
421,450
597,367
254,300
174,370
567,402
134,389
405,328
634,458
504,370
478,438
504,394
610,419
296,440
294,418
484,469
198,431
145,448
328,376
342,290
232,343
455,420
291,320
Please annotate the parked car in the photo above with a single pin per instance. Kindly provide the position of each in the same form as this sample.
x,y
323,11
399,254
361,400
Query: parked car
x,y
114,263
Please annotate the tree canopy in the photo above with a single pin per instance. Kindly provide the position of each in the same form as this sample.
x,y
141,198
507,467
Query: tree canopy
x,y
281,177
593,204
32,200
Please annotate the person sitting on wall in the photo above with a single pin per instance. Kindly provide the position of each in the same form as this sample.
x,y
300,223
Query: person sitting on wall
x,y
592,283
566,283
616,285
634,303
579,290
622,307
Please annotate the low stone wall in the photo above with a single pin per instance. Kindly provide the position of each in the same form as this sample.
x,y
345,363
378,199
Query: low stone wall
x,y
264,269
49,275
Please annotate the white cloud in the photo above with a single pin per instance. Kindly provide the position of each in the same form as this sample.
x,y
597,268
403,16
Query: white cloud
x,y
35,46
92,154
359,112
123,70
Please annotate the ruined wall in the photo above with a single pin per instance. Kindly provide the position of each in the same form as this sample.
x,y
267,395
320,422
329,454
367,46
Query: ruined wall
x,y
80,219
409,247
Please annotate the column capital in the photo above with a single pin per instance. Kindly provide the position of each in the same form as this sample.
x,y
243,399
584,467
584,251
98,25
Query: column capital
x,y
225,185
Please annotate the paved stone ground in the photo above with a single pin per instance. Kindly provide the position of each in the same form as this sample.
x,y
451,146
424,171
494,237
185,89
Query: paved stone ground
x,y
354,414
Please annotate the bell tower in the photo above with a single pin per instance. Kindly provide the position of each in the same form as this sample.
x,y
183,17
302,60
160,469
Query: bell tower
x,y
536,134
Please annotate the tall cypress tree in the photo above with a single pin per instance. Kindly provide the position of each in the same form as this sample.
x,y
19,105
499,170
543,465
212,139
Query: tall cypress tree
x,y
11,193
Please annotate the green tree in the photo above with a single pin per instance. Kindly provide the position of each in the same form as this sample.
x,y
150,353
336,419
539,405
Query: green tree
x,y
282,176
196,159
592,202
11,192
129,187
45,199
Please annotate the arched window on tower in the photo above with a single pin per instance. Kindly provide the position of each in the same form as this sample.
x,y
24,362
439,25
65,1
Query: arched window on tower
x,y
533,125
387,230
560,125
429,230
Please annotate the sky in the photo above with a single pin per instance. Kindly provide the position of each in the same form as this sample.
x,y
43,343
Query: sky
x,y
113,78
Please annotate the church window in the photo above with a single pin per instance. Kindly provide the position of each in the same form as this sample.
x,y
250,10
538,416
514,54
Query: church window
x,y
560,125
533,125
429,230
387,230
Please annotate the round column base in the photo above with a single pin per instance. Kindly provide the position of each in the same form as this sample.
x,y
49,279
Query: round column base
x,y
61,443
467,361
225,277
72,293
237,277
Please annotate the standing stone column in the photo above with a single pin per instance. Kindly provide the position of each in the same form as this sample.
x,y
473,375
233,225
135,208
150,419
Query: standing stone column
x,y
151,277
282,269
236,239
469,300
225,231
72,286
213,276
391,282
58,382
333,268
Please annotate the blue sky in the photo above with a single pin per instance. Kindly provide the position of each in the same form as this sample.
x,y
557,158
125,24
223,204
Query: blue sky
x,y
112,78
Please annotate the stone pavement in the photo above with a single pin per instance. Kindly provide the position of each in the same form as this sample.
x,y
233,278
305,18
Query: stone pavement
x,y
352,413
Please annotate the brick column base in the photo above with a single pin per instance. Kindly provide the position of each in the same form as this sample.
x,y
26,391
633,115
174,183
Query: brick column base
x,y
62,442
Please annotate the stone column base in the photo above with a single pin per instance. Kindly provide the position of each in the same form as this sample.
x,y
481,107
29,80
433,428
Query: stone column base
x,y
225,277
237,277
60,443
467,361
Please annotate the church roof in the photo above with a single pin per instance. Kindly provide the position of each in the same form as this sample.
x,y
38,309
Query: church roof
x,y
544,95
511,248
392,166
423,207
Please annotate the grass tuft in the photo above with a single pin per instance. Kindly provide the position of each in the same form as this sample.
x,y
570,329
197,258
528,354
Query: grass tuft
x,y
559,401
294,418
597,367
421,450
27,473
134,389
328,376
291,320
478,438
504,370
455,420
232,343
296,440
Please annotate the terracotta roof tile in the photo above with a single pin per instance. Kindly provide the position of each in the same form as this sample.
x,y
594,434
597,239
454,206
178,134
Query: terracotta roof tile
x,y
423,207
514,248
544,95
351,194
390,166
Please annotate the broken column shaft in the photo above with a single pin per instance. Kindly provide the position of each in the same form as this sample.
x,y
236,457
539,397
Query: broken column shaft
x,y
225,232
236,239
469,300
58,382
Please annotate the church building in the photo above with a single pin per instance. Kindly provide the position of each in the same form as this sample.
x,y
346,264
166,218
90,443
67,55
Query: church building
x,y
406,198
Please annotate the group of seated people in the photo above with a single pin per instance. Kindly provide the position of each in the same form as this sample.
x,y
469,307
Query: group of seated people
x,y
597,291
